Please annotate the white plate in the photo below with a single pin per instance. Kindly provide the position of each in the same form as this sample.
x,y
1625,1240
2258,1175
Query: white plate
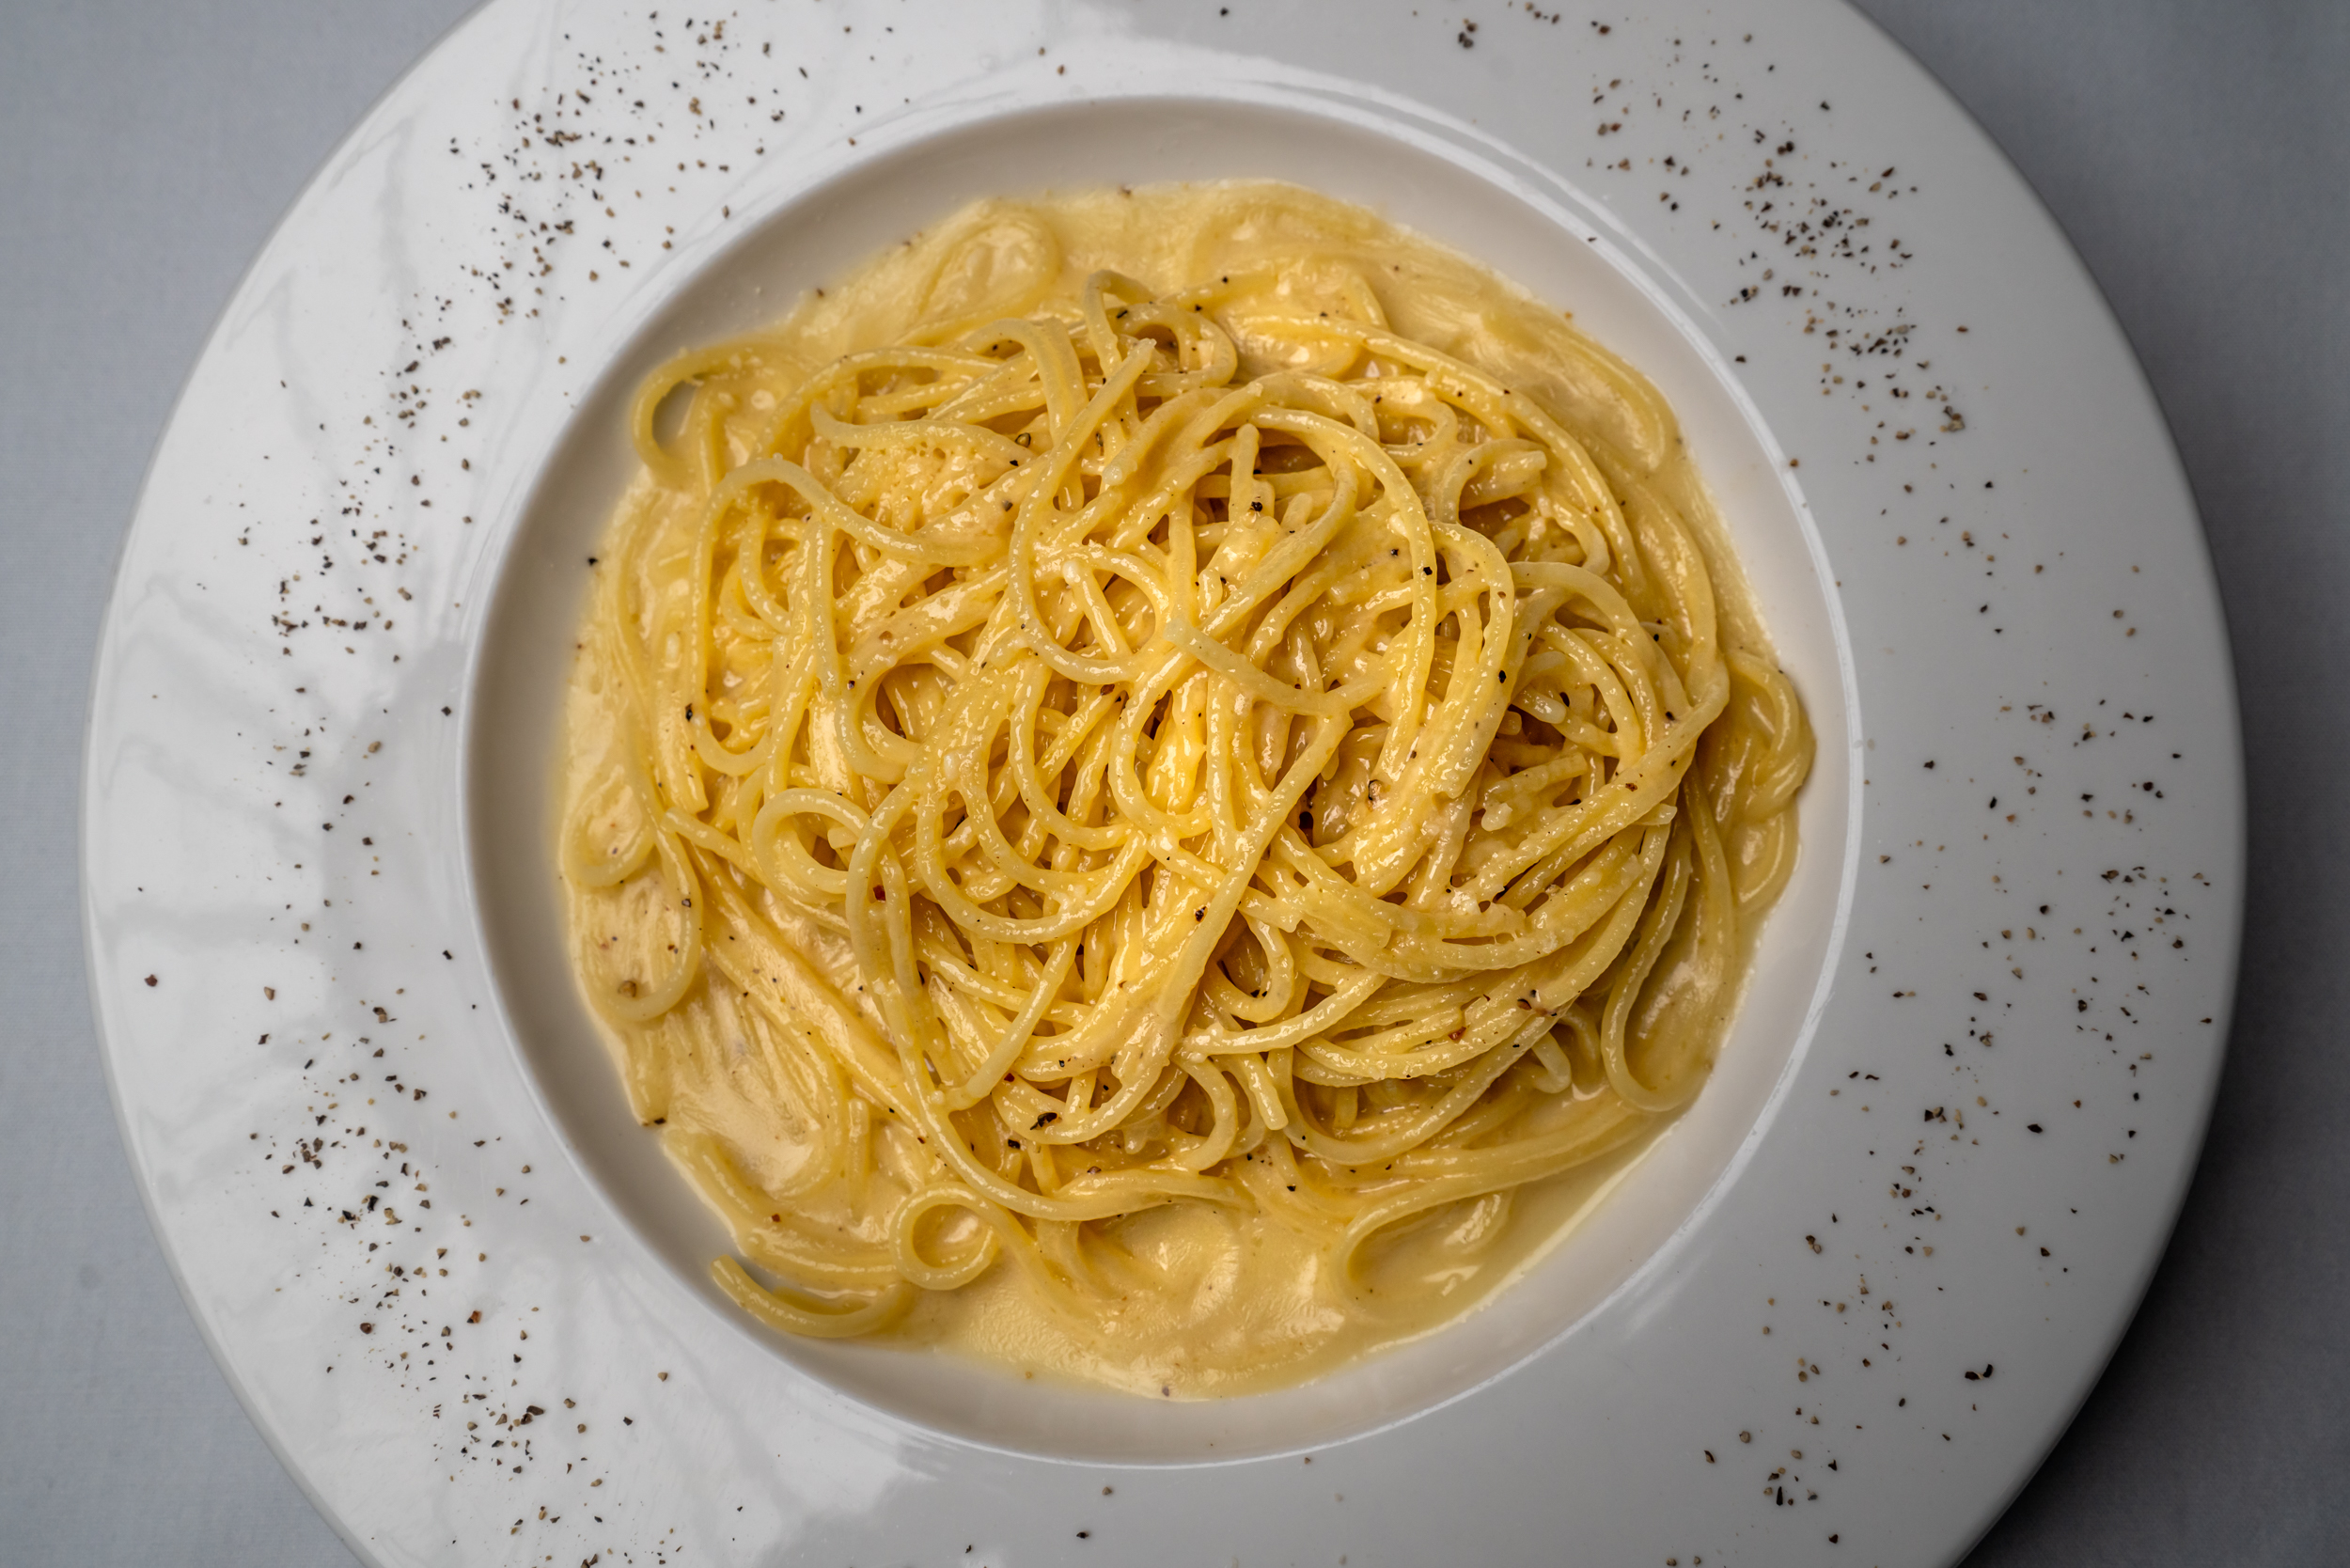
x,y
1898,1234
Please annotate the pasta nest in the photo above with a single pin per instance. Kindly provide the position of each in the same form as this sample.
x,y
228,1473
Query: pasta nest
x,y
1167,750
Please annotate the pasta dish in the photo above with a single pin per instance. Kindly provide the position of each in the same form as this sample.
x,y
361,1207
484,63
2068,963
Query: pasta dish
x,y
1145,771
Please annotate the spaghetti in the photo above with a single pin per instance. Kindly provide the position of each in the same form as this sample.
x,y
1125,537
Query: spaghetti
x,y
1121,826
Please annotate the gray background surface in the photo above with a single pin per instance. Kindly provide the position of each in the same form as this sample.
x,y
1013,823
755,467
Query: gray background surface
x,y
2198,152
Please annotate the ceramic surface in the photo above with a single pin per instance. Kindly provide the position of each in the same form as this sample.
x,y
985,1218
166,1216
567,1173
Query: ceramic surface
x,y
1899,1232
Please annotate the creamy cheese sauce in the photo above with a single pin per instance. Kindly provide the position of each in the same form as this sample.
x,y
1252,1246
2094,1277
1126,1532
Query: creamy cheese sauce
x,y
746,1077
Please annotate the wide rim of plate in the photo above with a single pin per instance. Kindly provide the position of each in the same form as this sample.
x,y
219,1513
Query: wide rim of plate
x,y
309,408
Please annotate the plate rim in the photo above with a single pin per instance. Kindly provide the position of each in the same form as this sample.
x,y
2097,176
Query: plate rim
x,y
2147,1256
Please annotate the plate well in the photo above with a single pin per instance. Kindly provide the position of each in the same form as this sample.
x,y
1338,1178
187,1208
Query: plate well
x,y
1446,184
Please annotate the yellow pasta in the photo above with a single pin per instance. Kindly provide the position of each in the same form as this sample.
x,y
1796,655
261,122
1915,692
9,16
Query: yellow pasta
x,y
1141,772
